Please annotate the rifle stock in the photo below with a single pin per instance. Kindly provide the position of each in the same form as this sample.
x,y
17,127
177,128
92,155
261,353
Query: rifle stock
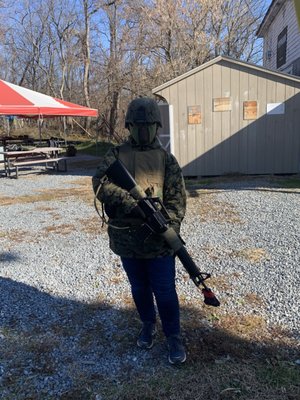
x,y
156,222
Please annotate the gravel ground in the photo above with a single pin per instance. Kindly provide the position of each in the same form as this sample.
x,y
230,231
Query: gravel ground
x,y
66,312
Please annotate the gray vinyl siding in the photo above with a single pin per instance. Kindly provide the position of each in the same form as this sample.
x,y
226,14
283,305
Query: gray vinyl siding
x,y
286,17
293,44
225,142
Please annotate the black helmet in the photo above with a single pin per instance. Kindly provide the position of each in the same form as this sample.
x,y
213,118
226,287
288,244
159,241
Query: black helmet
x,y
143,110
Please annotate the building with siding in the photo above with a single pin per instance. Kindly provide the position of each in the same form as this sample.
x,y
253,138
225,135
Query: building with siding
x,y
228,116
281,36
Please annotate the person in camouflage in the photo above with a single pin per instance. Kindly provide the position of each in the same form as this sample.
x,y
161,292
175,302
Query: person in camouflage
x,y
149,264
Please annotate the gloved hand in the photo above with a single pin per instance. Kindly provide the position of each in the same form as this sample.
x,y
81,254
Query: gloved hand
x,y
175,225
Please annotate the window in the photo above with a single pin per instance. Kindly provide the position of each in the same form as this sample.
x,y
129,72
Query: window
x,y
281,48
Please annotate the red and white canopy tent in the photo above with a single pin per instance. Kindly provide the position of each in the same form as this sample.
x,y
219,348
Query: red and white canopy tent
x,y
19,101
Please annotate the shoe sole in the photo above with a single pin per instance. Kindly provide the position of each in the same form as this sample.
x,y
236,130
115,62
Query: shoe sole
x,y
177,362
144,346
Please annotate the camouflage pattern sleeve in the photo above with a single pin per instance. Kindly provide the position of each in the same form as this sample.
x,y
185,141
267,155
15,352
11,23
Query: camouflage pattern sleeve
x,y
109,193
174,197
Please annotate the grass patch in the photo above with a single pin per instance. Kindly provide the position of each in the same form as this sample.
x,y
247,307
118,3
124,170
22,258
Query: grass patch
x,y
288,182
253,255
94,149
254,300
221,282
249,327
45,209
210,181
16,236
201,381
276,181
278,374
91,226
83,192
63,229
206,207
229,361
194,184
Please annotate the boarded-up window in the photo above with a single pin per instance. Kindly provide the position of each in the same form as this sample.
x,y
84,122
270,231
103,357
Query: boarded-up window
x,y
250,109
222,104
281,48
194,115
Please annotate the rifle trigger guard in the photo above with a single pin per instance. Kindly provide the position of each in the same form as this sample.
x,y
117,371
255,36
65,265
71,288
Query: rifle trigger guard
x,y
205,275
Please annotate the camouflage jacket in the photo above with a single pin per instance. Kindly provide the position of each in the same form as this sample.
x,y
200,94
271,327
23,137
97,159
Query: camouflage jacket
x,y
126,242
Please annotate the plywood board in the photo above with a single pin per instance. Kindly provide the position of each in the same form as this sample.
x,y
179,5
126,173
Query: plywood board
x,y
194,115
250,110
222,104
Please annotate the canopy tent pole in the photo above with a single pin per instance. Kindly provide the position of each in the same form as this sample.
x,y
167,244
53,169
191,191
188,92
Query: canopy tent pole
x,y
65,129
40,122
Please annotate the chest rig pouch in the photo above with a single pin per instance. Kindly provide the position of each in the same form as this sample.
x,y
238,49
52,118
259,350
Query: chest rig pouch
x,y
147,168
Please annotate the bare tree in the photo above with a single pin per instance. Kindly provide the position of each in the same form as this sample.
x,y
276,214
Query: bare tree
x,y
102,53
90,7
118,57
233,26
184,34
24,42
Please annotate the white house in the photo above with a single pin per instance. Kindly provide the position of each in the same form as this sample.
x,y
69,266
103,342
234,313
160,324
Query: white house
x,y
281,34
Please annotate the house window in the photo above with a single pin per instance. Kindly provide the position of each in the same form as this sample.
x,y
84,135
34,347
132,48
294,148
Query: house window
x,y
281,48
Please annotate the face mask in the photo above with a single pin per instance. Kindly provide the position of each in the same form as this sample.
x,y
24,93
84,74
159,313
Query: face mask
x,y
143,134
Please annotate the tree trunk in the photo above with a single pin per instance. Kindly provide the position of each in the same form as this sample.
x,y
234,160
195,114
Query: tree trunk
x,y
87,57
113,118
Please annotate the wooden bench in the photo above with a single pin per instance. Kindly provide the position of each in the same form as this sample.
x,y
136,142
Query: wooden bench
x,y
24,162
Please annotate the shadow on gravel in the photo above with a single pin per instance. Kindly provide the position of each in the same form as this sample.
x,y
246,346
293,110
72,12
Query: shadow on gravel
x,y
9,256
76,166
75,171
58,348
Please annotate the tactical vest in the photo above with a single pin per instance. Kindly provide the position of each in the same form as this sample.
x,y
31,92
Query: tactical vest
x,y
146,167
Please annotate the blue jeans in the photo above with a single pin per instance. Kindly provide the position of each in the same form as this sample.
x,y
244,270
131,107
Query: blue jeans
x,y
154,276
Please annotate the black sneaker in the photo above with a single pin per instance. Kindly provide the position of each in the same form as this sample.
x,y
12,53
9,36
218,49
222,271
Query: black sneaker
x,y
176,350
145,339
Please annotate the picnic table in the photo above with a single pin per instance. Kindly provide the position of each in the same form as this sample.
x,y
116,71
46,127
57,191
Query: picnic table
x,y
48,156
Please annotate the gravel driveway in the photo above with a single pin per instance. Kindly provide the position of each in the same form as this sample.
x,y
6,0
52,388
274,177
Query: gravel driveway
x,y
66,311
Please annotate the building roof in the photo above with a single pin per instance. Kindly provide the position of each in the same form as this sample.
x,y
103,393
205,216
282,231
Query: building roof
x,y
230,60
269,17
